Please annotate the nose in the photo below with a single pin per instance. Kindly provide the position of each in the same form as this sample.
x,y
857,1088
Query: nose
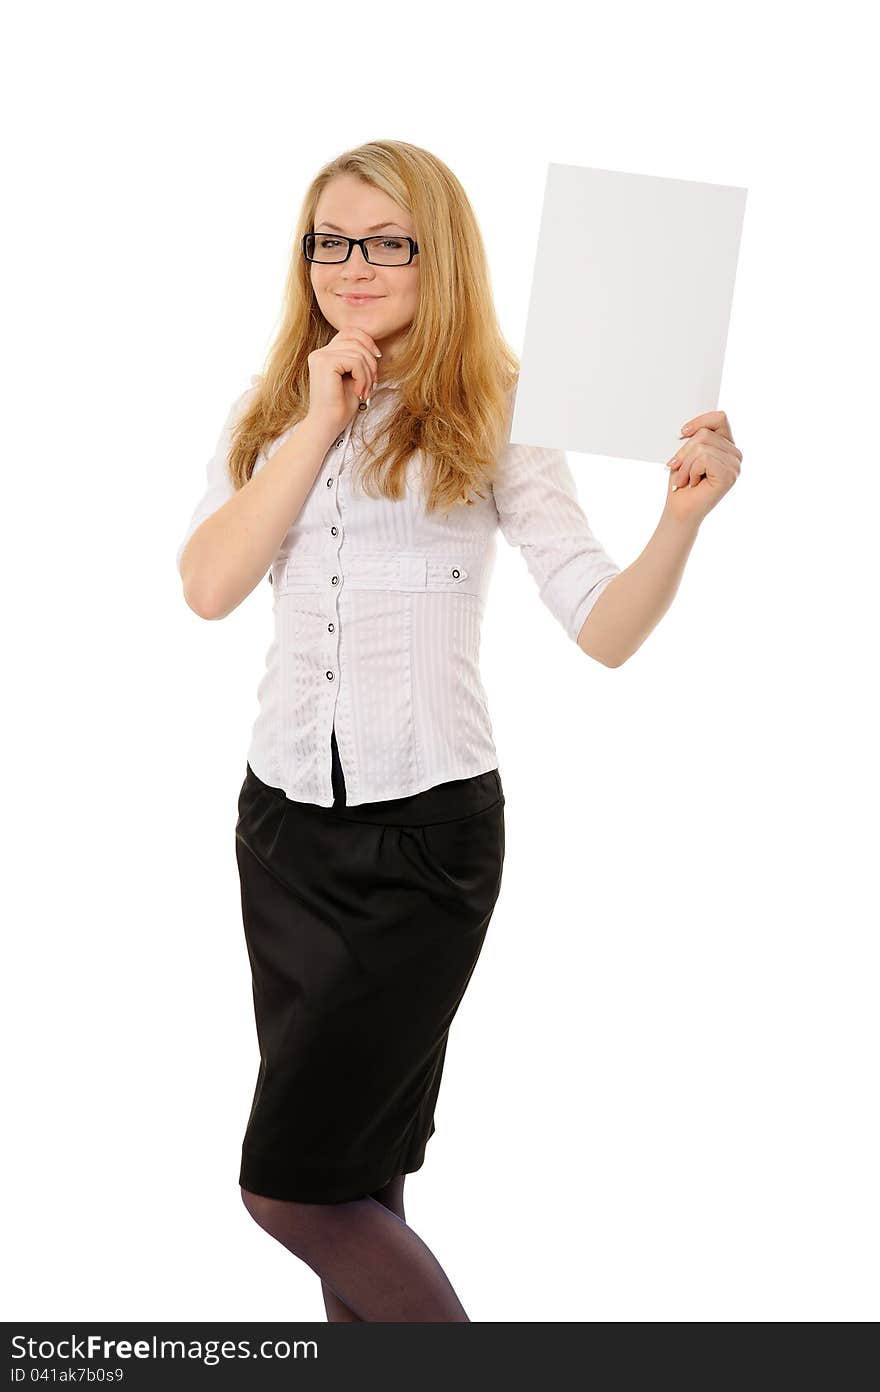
x,y
350,262
354,252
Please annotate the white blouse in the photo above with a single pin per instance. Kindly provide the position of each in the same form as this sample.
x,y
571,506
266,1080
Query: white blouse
x,y
378,607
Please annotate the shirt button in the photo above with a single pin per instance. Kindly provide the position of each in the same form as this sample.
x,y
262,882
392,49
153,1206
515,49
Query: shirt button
x,y
331,628
335,580
329,676
340,441
334,531
330,482
456,573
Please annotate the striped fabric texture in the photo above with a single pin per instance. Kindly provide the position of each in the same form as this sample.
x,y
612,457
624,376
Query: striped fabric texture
x,y
378,607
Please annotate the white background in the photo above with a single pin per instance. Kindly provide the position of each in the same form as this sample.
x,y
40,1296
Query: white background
x,y
660,1094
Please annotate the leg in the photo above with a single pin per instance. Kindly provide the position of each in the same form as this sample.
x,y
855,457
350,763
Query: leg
x,y
392,1197
368,1257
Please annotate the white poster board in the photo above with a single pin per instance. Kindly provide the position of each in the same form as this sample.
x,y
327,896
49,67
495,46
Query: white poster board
x,y
629,311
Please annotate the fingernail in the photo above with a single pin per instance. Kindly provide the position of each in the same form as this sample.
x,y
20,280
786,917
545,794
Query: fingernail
x,y
378,353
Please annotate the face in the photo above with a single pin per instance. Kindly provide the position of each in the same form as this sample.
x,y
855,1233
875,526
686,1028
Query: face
x,y
349,206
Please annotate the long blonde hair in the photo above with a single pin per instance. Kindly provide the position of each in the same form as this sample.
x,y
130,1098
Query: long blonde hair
x,y
456,371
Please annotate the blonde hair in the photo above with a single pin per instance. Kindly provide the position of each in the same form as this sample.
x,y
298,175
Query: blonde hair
x,y
456,371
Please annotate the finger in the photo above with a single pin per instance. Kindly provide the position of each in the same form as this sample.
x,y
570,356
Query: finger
x,y
677,461
688,465
697,469
705,438
716,441
362,366
680,474
350,362
724,447
701,461
371,373
711,420
354,331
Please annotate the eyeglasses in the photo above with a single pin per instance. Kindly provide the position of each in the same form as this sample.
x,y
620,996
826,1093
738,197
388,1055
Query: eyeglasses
x,y
379,251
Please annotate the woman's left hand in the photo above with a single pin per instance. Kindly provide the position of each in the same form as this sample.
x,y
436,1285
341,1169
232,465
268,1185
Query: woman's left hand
x,y
705,468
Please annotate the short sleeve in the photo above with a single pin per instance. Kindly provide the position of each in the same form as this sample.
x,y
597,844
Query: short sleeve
x,y
538,510
219,486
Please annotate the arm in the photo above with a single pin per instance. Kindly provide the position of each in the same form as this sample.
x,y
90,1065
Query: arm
x,y
234,535
703,470
538,511
635,602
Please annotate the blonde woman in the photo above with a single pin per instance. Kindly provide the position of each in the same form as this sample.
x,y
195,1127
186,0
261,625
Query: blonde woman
x,y
366,472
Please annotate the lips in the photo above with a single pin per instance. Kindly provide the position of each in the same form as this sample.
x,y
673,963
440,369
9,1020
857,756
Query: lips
x,y
343,296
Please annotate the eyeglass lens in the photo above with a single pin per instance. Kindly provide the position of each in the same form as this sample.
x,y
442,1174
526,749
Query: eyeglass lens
x,y
383,251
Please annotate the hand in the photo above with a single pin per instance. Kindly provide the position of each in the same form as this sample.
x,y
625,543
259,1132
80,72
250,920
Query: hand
x,y
704,469
341,375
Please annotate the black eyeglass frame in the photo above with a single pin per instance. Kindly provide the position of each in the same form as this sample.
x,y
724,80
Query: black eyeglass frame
x,y
362,243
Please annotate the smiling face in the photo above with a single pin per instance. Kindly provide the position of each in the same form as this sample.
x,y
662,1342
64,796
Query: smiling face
x,y
349,206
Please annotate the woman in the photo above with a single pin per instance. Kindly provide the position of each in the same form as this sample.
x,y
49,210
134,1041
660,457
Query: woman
x,y
367,471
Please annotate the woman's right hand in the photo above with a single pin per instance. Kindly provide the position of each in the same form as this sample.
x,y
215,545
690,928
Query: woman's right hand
x,y
340,375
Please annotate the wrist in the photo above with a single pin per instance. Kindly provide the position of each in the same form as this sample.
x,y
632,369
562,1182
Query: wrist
x,y
321,428
674,523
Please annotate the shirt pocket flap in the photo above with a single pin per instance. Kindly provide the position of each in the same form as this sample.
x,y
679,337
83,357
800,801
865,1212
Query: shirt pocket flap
x,y
450,574
408,571
302,575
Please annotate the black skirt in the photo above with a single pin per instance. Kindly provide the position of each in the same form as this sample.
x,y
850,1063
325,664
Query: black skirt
x,y
363,925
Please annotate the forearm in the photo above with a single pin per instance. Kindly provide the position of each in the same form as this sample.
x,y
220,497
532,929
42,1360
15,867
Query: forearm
x,y
632,605
228,555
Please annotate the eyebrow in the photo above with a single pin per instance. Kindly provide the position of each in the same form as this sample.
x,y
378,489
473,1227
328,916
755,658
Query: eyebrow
x,y
377,228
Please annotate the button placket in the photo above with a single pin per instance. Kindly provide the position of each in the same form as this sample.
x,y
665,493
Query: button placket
x,y
334,584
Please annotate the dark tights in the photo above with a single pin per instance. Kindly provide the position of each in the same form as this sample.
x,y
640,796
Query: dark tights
x,y
371,1264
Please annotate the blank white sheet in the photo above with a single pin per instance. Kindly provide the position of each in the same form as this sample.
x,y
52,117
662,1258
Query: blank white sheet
x,y
629,311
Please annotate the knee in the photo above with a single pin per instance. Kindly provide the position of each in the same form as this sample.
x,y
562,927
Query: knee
x,y
259,1207
295,1225
288,1222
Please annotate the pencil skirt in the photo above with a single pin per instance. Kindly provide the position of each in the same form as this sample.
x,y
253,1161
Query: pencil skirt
x,y
363,926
